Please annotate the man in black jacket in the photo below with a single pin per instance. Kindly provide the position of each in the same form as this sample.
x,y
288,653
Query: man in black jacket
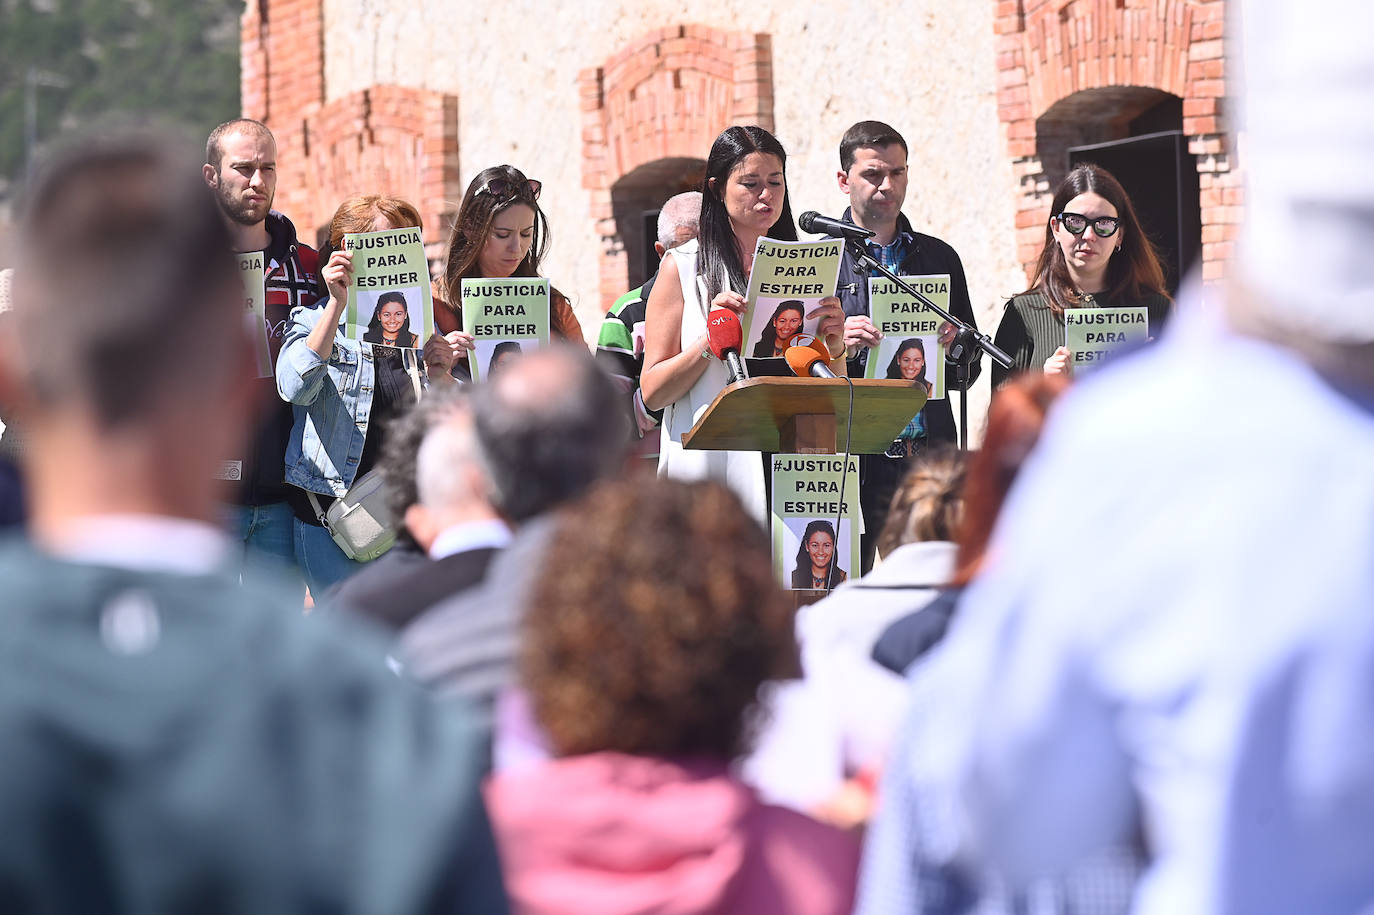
x,y
241,169
873,172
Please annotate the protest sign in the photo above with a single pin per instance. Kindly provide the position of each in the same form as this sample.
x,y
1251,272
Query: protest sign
x,y
389,301
786,282
507,316
806,503
1092,335
251,270
910,348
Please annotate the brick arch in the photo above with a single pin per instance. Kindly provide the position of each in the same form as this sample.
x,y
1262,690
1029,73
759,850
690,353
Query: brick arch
x,y
664,96
1052,53
385,140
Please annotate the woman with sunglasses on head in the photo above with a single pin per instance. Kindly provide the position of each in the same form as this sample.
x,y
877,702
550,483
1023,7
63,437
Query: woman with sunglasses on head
x,y
499,232
744,198
1095,256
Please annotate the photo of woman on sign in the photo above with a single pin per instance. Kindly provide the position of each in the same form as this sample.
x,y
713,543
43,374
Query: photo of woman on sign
x,y
505,352
390,324
785,323
817,567
909,364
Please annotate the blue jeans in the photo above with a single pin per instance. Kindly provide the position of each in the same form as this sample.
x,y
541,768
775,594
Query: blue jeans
x,y
265,532
322,562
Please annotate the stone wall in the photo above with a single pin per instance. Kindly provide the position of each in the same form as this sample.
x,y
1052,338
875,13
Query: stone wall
x,y
1050,50
613,105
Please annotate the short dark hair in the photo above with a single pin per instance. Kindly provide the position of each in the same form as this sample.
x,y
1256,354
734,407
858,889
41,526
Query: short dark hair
x,y
547,428
654,620
214,151
867,135
128,272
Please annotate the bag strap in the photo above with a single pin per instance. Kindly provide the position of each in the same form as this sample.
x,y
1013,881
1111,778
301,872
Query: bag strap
x,y
410,359
319,510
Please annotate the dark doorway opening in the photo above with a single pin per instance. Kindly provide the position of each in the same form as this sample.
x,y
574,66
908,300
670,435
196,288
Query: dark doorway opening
x,y
1161,179
635,201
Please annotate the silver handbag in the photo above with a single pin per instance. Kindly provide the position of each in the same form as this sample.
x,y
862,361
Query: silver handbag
x,y
360,521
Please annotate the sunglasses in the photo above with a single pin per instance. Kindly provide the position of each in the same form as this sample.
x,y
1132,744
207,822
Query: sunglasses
x,y
1077,224
503,188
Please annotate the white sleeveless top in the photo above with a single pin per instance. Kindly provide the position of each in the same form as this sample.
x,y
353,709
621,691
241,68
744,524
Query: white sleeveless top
x,y
742,471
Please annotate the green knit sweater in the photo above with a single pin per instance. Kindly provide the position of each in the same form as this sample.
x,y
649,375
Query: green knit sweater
x,y
1030,331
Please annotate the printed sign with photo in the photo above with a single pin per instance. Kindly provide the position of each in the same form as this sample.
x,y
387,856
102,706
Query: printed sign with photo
x,y
810,553
507,317
910,349
389,302
787,281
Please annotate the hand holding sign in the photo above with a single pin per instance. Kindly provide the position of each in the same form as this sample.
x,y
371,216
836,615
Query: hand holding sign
x,y
1058,364
440,353
859,331
337,274
830,327
731,300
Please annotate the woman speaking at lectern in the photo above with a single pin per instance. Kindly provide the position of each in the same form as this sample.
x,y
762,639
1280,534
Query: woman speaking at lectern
x,y
744,198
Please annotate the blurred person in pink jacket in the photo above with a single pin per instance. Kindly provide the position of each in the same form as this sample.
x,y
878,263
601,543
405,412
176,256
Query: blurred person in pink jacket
x,y
655,619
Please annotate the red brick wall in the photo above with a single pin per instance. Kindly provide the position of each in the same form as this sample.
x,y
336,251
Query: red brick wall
x,y
666,95
383,140
386,140
1048,50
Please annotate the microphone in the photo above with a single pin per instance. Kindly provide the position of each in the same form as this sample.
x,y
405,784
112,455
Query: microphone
x,y
815,223
724,336
808,356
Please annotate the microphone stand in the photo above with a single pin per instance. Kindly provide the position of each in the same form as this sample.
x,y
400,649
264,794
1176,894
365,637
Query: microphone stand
x,y
968,345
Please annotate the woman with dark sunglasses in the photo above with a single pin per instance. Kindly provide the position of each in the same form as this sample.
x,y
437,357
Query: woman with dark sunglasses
x,y
1095,255
499,232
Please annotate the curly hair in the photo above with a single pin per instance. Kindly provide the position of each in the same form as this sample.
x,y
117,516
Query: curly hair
x,y
653,623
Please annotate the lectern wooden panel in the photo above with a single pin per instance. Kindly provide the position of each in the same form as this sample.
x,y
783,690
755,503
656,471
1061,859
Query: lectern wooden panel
x,y
805,416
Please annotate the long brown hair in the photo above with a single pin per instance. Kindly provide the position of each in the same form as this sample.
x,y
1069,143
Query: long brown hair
x,y
718,258
1015,418
1133,272
473,223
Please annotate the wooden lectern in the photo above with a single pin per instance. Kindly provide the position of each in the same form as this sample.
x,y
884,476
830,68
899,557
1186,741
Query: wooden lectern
x,y
784,415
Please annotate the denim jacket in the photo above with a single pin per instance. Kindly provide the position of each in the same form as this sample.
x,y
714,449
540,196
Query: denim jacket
x,y
331,402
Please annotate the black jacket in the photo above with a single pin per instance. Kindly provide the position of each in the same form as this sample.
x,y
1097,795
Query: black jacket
x,y
926,255
292,281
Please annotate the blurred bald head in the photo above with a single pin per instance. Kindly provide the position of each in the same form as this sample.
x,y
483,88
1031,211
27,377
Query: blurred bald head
x,y
547,428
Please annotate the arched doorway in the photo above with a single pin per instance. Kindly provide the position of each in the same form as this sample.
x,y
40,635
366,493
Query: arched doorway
x,y
635,202
1136,133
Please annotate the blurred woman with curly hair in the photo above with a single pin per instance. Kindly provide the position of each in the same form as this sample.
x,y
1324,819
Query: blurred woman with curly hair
x,y
654,621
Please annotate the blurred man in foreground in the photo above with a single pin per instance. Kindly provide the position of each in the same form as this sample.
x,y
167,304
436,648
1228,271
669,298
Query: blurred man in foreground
x,y
1182,654
173,741
547,429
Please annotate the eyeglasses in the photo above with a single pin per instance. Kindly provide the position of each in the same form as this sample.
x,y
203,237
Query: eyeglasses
x,y
503,188
1077,224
